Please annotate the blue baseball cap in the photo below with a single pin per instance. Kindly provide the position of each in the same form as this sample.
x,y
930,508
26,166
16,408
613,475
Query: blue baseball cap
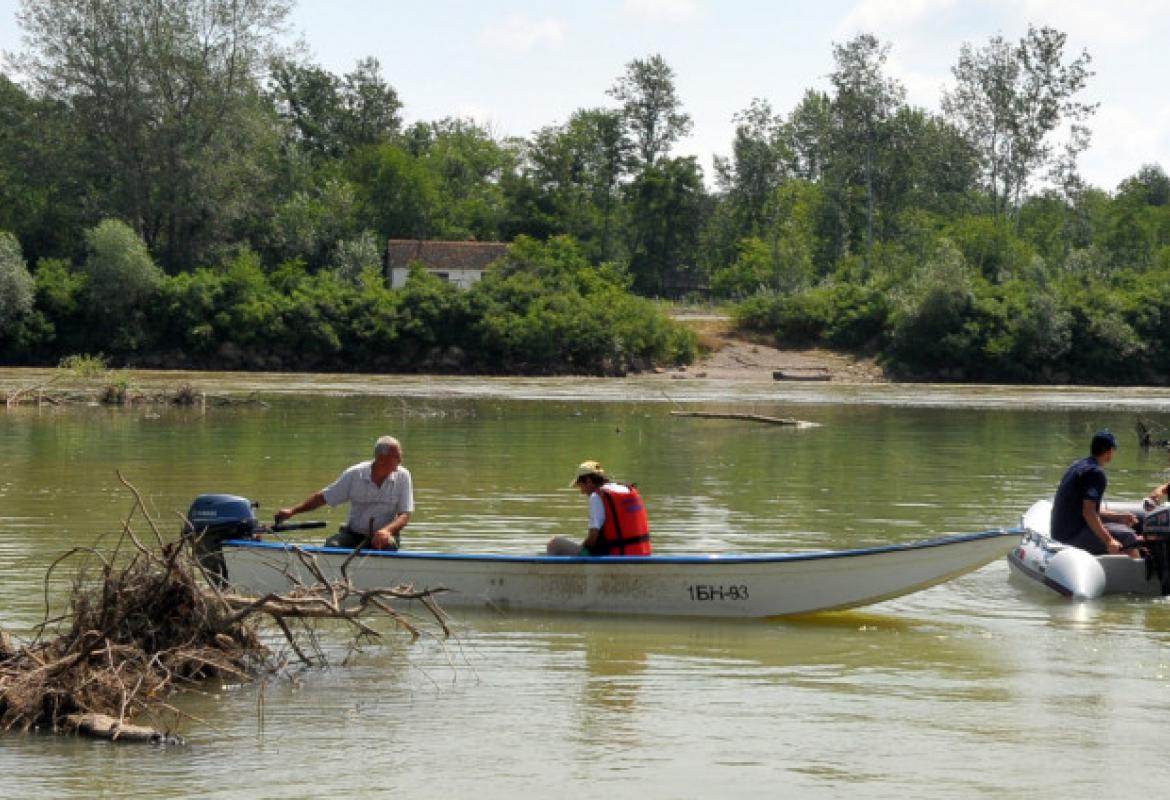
x,y
1103,440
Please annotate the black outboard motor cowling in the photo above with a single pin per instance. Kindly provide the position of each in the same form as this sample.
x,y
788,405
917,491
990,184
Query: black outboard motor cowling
x,y
214,518
1156,530
224,516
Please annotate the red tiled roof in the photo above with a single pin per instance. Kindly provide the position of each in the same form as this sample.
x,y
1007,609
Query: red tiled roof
x,y
444,255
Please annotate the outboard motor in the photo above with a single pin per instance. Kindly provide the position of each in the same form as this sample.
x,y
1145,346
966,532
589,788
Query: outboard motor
x,y
1156,531
211,520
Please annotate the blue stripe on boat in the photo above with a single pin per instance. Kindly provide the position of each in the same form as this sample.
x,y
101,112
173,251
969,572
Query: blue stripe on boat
x,y
680,559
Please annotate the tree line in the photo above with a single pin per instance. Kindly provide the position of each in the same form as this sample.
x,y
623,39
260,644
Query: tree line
x,y
176,152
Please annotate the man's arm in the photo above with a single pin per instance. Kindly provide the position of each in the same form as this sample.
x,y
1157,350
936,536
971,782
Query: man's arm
x,y
1160,493
1093,520
313,501
386,533
591,538
596,520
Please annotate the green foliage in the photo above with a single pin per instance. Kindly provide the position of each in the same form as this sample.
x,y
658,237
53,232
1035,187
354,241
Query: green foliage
x,y
651,108
753,271
120,274
842,315
397,196
356,259
16,285
331,116
311,221
85,366
548,309
165,96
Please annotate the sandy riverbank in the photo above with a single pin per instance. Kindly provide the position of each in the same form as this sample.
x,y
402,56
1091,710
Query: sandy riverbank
x,y
731,357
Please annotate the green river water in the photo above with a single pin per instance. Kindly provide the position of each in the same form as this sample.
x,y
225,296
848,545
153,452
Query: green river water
x,y
975,688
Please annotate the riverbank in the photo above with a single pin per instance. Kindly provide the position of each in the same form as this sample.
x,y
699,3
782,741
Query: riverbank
x,y
729,355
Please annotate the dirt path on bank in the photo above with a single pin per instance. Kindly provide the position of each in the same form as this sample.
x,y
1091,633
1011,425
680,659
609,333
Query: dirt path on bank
x,y
732,357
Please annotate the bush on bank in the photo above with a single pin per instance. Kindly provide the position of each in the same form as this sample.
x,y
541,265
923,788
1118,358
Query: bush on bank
x,y
1065,330
545,310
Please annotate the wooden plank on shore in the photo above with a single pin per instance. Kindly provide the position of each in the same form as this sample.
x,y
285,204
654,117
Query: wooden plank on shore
x,y
810,374
798,423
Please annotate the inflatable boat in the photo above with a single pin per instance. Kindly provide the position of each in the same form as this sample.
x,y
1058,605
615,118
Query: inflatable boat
x,y
1040,561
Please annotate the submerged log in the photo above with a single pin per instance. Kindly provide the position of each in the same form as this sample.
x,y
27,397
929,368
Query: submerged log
x,y
798,423
103,726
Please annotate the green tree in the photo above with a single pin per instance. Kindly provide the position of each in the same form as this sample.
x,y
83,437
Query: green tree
x,y
651,108
666,205
16,285
577,169
308,222
41,196
355,259
467,166
1009,100
397,196
864,104
121,279
757,165
331,116
166,95
808,135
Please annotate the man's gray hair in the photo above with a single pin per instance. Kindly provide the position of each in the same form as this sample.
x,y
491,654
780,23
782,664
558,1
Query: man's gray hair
x,y
385,444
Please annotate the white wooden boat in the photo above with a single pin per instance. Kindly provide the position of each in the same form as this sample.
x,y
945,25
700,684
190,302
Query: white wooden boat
x,y
1042,562
684,585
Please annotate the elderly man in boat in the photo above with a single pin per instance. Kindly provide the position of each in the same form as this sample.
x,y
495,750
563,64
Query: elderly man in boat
x,y
380,497
618,524
1077,518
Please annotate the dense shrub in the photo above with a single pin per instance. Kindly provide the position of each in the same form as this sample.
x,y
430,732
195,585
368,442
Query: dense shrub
x,y
545,311
16,285
841,315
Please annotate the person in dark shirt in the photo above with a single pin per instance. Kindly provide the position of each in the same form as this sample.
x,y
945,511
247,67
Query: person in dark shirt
x,y
1077,518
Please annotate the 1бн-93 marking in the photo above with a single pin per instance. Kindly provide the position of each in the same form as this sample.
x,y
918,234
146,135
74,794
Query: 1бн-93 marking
x,y
707,593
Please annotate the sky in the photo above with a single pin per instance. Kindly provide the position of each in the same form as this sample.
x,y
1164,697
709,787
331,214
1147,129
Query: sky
x,y
520,65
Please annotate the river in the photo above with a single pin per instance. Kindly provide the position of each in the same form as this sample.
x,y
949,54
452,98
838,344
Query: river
x,y
977,687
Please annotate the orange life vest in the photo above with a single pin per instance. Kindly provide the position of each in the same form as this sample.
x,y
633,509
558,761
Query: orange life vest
x,y
626,531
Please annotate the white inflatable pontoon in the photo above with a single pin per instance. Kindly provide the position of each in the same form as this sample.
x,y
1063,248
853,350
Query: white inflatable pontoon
x,y
1077,574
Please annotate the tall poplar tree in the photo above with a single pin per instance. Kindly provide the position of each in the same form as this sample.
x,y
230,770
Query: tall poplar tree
x,y
865,102
1010,99
651,107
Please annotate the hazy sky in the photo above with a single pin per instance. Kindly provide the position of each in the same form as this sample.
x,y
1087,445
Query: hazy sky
x,y
519,65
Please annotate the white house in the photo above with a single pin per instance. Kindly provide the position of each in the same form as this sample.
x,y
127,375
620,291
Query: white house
x,y
461,263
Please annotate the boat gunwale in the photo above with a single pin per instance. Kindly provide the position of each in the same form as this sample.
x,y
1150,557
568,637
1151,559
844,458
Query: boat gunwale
x,y
708,559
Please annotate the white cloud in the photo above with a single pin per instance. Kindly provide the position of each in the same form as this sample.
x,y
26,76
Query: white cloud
x,y
521,34
886,16
924,88
1118,22
479,113
663,10
1123,141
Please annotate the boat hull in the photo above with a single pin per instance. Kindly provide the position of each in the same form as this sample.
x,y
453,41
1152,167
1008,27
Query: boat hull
x,y
1042,562
700,586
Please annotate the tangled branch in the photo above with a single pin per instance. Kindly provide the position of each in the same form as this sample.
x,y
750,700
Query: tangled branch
x,y
146,621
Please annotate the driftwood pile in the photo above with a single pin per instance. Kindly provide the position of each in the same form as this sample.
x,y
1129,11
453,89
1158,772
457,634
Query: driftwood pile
x,y
117,394
144,622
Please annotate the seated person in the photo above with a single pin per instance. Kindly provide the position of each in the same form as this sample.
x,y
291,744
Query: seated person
x,y
1077,518
381,498
618,525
